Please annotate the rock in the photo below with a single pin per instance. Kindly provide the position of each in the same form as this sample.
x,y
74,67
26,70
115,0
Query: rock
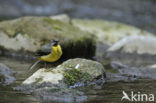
x,y
81,70
18,43
43,78
62,17
67,74
28,34
135,44
120,72
108,32
140,73
5,75
46,83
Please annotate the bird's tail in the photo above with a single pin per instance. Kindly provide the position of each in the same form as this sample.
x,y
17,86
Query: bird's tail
x,y
34,64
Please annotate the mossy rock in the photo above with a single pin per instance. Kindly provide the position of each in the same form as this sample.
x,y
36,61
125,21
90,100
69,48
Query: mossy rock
x,y
28,34
73,76
107,31
60,82
81,71
67,74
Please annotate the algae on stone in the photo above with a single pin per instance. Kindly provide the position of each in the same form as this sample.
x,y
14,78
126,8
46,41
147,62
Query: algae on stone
x,y
72,76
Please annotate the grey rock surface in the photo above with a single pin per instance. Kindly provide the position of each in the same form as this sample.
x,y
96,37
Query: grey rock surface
x,y
135,44
108,32
6,77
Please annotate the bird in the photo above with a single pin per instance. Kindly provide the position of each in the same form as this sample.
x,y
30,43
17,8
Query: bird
x,y
53,56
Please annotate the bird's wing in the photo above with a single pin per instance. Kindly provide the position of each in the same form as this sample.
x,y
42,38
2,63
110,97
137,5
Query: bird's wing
x,y
45,49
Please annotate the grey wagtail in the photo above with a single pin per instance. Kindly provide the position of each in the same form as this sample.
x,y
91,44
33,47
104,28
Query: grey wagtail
x,y
55,54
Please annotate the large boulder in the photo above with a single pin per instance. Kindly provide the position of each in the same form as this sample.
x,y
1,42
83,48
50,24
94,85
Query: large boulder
x,y
108,32
28,34
46,83
134,51
6,77
135,44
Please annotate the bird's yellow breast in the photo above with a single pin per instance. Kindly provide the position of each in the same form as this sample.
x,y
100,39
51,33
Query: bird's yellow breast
x,y
54,55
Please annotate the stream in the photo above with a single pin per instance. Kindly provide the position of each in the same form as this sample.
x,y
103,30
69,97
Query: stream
x,y
108,93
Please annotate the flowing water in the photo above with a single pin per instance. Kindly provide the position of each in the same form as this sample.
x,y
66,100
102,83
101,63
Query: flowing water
x,y
108,93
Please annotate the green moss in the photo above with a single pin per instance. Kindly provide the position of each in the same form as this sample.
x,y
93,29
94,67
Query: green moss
x,y
64,28
48,20
73,76
69,79
38,80
18,31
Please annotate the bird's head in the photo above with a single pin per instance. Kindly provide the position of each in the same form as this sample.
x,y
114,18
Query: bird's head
x,y
54,42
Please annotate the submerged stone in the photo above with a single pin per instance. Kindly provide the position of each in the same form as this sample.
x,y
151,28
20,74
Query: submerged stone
x,y
6,77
